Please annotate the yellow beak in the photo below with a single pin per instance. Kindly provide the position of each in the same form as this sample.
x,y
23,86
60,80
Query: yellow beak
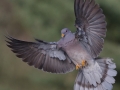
x,y
62,35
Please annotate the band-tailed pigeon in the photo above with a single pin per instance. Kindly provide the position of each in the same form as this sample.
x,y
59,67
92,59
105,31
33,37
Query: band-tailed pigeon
x,y
78,50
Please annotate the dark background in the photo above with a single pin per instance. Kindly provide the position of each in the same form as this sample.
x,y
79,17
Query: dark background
x,y
43,19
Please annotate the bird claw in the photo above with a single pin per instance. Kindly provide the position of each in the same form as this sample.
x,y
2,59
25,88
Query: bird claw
x,y
78,66
83,64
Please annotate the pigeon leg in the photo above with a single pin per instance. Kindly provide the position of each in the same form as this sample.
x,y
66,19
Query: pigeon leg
x,y
78,66
84,63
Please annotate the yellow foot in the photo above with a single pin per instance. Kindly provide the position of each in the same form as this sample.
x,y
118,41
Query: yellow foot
x,y
83,63
78,66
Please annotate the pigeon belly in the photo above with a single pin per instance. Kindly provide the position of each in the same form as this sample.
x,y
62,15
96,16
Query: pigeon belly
x,y
78,53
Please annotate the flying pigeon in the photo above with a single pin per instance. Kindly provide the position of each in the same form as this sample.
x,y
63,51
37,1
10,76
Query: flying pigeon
x,y
79,50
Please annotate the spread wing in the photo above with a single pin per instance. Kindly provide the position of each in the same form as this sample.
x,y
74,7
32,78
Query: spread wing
x,y
91,25
42,55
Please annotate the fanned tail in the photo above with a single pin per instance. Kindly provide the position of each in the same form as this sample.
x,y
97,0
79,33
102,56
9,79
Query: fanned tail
x,y
98,77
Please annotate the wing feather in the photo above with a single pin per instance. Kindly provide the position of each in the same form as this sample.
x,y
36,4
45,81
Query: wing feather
x,y
91,25
42,55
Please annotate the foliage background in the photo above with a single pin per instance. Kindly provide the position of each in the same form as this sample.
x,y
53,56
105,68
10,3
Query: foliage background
x,y
43,19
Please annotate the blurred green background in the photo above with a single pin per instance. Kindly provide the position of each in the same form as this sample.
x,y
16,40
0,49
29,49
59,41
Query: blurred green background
x,y
43,19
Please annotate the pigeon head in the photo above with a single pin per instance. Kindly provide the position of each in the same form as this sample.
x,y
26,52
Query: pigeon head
x,y
64,32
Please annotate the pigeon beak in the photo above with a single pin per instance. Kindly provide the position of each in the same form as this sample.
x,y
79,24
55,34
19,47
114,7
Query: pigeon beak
x,y
62,35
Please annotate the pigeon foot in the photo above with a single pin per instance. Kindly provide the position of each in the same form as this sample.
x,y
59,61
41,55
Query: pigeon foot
x,y
84,63
78,66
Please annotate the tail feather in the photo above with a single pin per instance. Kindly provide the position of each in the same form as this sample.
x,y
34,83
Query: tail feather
x,y
98,80
107,86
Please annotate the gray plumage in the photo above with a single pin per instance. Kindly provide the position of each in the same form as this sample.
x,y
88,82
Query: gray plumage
x,y
72,49
97,82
